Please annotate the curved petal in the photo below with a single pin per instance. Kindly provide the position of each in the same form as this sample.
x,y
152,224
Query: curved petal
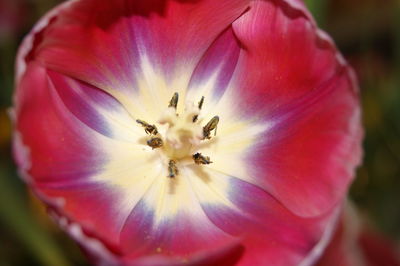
x,y
169,221
214,71
172,221
310,153
95,108
112,47
291,79
56,147
246,210
65,148
226,255
286,49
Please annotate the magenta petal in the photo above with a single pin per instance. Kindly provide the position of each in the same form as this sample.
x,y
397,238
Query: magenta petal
x,y
307,93
286,239
217,66
323,127
92,205
291,56
93,107
63,155
180,237
108,48
58,147
226,255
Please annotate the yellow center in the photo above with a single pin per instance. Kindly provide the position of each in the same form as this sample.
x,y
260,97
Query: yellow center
x,y
182,135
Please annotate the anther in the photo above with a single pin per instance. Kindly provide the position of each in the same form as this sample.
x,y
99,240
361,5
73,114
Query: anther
x,y
149,129
200,106
201,102
200,159
174,100
210,126
155,143
172,169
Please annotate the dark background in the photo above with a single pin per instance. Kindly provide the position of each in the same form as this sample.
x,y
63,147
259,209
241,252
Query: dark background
x,y
366,31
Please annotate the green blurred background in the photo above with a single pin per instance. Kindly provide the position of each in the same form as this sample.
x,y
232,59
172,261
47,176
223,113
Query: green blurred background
x,y
366,31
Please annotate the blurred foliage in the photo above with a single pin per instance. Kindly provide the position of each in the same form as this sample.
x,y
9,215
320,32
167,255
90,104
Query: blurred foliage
x,y
366,31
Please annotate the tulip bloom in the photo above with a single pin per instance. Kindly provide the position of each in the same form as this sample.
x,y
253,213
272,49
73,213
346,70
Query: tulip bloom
x,y
194,132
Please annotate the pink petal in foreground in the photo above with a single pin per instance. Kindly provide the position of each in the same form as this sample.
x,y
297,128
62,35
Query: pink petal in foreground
x,y
304,89
110,41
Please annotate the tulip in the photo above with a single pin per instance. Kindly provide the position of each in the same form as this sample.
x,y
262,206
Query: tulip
x,y
194,132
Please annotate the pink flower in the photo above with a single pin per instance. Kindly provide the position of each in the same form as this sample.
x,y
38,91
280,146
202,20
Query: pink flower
x,y
187,132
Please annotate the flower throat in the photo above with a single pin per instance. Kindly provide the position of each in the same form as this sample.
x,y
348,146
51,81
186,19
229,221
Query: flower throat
x,y
183,135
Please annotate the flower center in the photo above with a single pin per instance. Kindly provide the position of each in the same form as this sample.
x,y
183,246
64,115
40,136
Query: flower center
x,y
183,135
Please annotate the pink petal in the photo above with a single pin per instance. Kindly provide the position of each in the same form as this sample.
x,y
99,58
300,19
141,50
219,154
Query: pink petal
x,y
309,156
226,255
61,151
214,71
107,49
292,78
286,239
287,52
181,237
95,108
58,148
90,205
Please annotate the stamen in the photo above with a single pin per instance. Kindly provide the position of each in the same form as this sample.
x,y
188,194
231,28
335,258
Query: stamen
x,y
200,106
201,102
149,129
172,169
174,100
181,135
200,159
155,143
210,126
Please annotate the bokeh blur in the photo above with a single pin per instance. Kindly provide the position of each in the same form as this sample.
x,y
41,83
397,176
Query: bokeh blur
x,y
366,31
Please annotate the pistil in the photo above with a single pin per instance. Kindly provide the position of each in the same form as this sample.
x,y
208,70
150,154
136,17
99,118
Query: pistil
x,y
182,135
